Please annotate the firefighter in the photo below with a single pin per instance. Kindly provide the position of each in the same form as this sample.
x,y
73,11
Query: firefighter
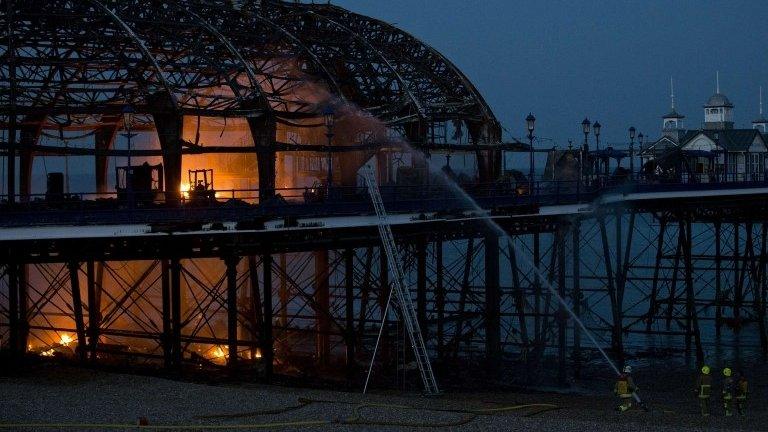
x,y
625,389
727,392
704,390
742,388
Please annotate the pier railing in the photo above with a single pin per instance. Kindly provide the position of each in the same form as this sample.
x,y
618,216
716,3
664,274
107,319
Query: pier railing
x,y
244,204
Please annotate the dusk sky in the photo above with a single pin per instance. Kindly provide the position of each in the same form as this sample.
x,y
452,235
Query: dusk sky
x,y
608,60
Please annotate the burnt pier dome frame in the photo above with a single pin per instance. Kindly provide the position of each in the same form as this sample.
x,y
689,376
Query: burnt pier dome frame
x,y
76,65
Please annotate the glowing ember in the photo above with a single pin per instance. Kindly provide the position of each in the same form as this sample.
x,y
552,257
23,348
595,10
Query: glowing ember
x,y
66,340
218,352
48,353
217,355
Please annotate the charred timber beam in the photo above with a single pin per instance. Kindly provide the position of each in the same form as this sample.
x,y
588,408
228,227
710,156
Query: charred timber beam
x,y
177,355
263,131
94,309
23,287
256,314
167,336
13,309
169,125
104,141
231,263
77,307
29,136
267,341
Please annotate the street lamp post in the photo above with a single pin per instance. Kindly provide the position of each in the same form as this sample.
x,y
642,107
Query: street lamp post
x,y
632,131
530,123
330,119
596,126
585,126
128,113
641,141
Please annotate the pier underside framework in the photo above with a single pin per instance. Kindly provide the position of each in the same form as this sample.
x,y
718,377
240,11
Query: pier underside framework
x,y
642,278
307,303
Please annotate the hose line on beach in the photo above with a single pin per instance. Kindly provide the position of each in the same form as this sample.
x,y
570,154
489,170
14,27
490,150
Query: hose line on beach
x,y
86,426
355,419
302,403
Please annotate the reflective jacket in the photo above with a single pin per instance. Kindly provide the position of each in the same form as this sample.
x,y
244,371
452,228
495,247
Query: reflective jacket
x,y
625,386
742,388
704,386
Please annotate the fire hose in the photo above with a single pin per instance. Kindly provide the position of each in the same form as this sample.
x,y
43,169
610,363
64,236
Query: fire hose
x,y
355,419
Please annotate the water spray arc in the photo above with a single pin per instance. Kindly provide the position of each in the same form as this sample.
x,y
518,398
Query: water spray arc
x,y
541,277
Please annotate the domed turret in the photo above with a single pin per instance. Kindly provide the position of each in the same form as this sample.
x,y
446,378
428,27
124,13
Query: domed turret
x,y
718,100
718,111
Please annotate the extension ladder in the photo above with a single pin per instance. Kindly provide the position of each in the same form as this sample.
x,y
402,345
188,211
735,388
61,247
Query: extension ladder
x,y
403,295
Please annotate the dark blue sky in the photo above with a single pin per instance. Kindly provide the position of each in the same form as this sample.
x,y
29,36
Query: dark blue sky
x,y
609,60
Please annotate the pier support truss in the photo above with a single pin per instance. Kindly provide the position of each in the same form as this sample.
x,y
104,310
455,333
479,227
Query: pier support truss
x,y
642,281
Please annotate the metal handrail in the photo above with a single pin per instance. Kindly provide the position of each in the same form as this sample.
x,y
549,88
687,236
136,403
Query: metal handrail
x,y
343,200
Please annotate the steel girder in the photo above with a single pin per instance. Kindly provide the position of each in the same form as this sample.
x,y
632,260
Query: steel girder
x,y
441,89
91,58
78,61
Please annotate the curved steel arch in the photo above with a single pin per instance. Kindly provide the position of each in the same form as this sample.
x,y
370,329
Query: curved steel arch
x,y
249,32
250,73
48,68
142,47
326,73
327,76
329,47
200,69
92,60
384,70
383,58
415,59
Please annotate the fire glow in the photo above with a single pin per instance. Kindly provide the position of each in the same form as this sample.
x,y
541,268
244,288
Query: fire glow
x,y
66,340
217,355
